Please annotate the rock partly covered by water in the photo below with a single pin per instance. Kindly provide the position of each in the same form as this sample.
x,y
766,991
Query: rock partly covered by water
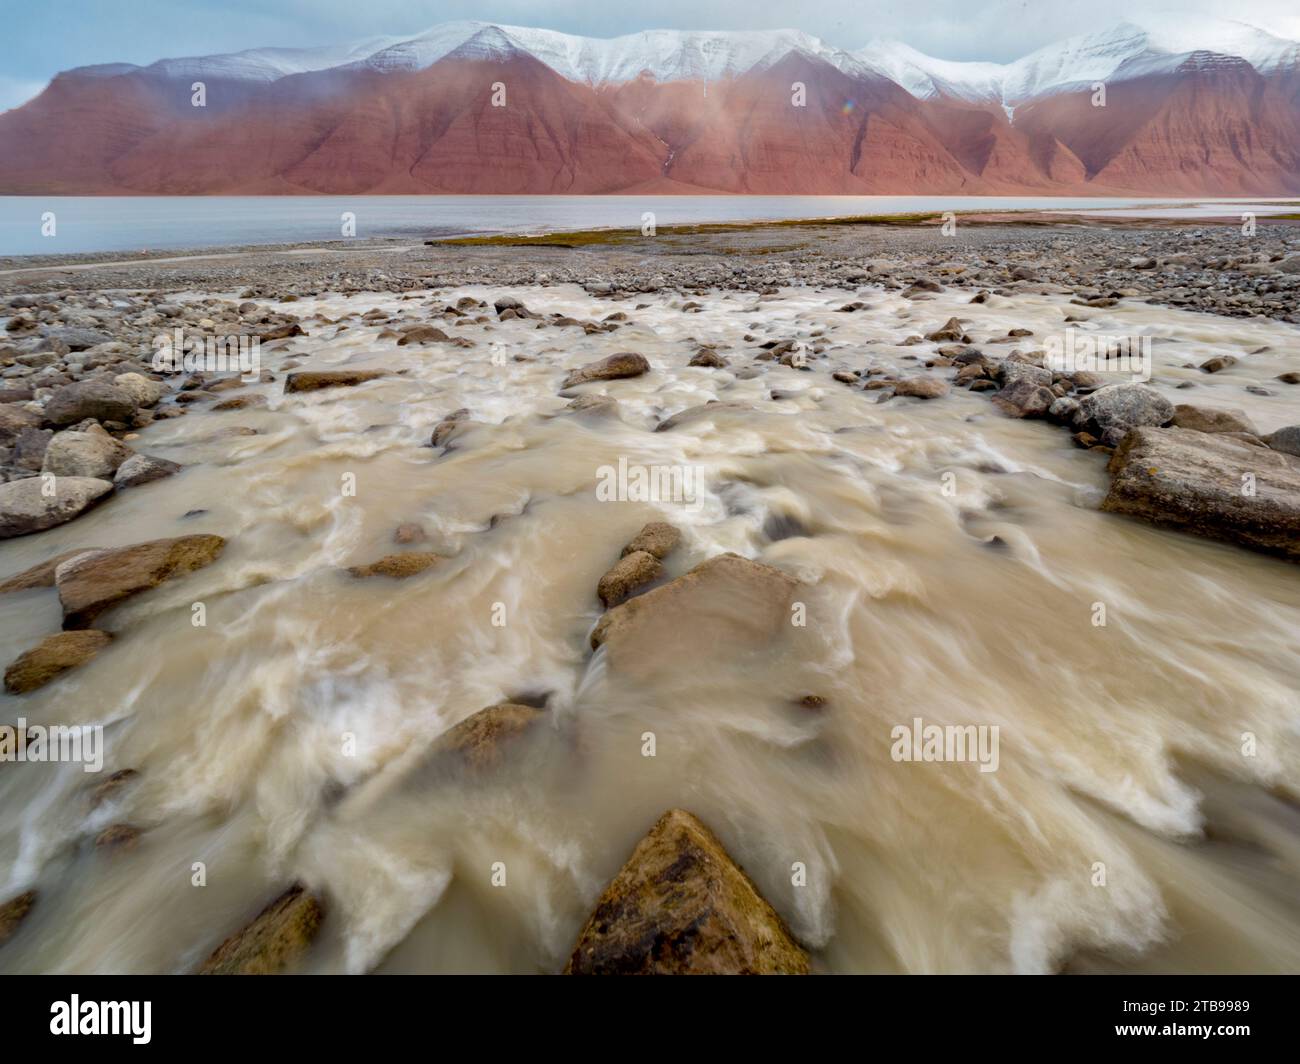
x,y
55,654
682,906
478,740
13,912
627,574
312,381
95,582
1209,484
657,537
615,367
275,940
37,503
726,605
1111,411
398,566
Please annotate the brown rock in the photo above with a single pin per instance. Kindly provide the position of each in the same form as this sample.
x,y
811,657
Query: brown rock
x,y
118,837
1195,481
338,378
53,655
615,367
1202,419
398,566
410,532
422,334
629,573
276,939
96,582
682,906
658,538
42,574
921,388
707,358
477,740
105,791
13,912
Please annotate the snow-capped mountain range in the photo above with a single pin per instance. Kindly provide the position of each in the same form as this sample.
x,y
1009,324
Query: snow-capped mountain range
x,y
1129,49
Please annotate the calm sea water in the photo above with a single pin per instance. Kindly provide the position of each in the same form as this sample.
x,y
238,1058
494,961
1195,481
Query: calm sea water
x,y
137,223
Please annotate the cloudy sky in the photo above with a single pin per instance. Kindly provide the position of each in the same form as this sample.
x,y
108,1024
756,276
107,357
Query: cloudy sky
x,y
42,39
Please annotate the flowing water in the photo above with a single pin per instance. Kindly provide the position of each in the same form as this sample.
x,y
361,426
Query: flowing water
x,y
1123,829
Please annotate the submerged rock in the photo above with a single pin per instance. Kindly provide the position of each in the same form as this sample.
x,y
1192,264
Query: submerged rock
x,y
478,739
1202,483
53,655
97,581
682,906
398,566
37,503
615,367
276,938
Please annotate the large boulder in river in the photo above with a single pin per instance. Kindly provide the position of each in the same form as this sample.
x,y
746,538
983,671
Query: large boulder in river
x,y
275,940
724,608
1120,407
682,906
84,454
616,367
1210,484
53,655
36,503
98,399
96,581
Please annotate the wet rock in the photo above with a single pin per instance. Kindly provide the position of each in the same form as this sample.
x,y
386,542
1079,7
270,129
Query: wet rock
x,y
95,582
95,399
630,572
442,431
1025,399
1013,372
742,606
950,332
1286,440
921,288
682,906
477,741
306,381
84,454
694,413
41,574
13,912
615,367
1289,378
921,388
1219,362
276,939
107,791
511,303
604,404
658,538
1203,419
709,359
240,402
1194,481
143,469
398,566
1122,407
25,506
52,656
422,334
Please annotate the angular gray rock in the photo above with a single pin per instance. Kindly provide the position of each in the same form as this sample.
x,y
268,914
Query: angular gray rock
x,y
37,503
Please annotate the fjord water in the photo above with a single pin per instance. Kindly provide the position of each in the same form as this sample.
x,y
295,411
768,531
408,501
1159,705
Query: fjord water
x,y
151,223
1124,829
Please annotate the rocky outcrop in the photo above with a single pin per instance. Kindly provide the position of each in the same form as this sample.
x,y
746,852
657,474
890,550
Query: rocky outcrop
x,y
275,940
682,906
1211,485
55,654
95,582
615,367
34,504
313,381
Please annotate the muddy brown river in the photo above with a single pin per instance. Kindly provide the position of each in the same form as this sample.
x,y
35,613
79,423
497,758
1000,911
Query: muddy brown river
x,y
1142,814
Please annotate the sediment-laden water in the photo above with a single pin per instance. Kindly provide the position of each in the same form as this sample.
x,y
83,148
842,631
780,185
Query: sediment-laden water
x,y
953,561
